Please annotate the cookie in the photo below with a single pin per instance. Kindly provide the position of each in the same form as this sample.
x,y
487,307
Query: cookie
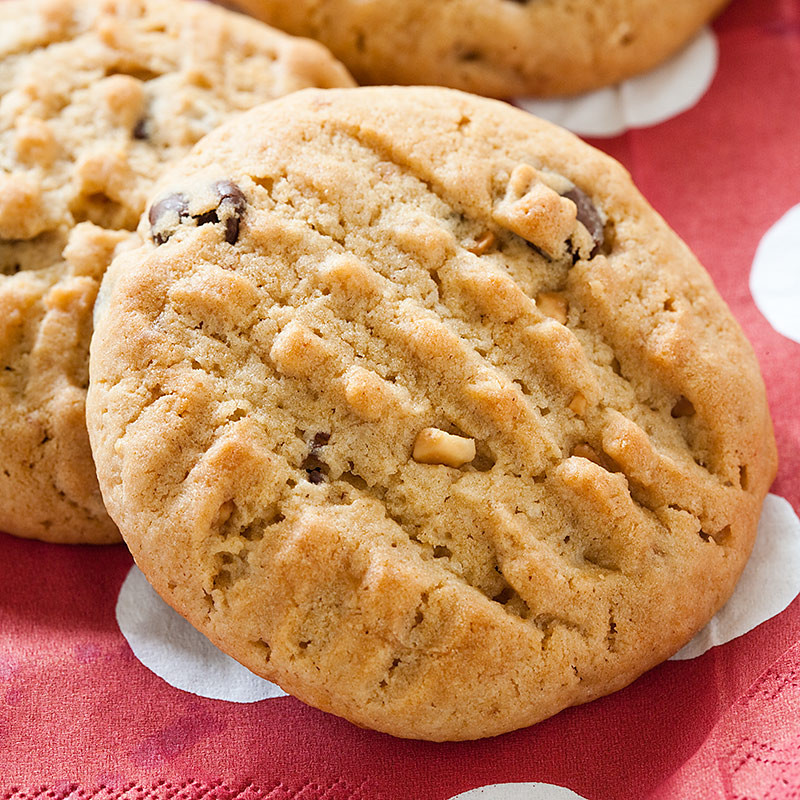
x,y
503,48
413,405
97,97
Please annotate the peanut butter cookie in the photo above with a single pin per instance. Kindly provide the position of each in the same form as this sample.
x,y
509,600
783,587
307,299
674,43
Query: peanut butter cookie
x,y
412,404
97,97
503,48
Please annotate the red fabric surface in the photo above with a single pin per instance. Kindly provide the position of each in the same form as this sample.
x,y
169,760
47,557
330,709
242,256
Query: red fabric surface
x,y
80,716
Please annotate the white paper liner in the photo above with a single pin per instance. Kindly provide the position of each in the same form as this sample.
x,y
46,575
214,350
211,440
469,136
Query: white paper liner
x,y
658,95
171,648
770,581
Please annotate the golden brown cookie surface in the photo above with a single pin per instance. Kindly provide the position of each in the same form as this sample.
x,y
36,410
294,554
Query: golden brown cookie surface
x,y
503,48
97,97
412,404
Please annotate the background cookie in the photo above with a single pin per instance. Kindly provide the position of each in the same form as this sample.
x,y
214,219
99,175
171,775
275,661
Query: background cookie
x,y
96,98
502,48
414,406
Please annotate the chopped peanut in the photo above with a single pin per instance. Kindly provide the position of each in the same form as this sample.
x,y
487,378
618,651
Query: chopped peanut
x,y
484,243
435,446
554,305
537,213
578,404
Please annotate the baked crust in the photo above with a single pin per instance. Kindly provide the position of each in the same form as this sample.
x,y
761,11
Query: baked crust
x,y
97,97
338,293
502,48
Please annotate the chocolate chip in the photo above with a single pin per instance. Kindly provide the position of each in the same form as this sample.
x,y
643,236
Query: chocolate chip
x,y
175,207
140,129
209,217
232,197
315,476
313,464
231,207
167,214
320,440
588,216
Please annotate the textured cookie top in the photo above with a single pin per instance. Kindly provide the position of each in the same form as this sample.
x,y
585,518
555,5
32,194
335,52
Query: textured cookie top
x,y
97,96
95,99
413,405
503,48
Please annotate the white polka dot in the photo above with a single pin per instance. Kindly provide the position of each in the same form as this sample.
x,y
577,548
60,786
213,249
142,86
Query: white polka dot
x,y
519,791
644,100
169,646
770,581
775,277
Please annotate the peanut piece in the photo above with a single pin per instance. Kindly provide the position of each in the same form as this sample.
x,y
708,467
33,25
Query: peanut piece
x,y
578,404
434,446
482,244
532,210
553,305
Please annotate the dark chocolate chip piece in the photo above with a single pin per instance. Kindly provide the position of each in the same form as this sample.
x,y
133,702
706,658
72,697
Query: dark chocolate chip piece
x,y
208,217
140,129
172,204
313,464
315,476
232,197
320,440
230,210
231,207
537,250
588,216
573,253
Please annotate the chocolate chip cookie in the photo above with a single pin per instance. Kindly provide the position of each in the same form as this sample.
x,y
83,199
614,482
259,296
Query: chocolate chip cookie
x,y
97,97
411,403
503,48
